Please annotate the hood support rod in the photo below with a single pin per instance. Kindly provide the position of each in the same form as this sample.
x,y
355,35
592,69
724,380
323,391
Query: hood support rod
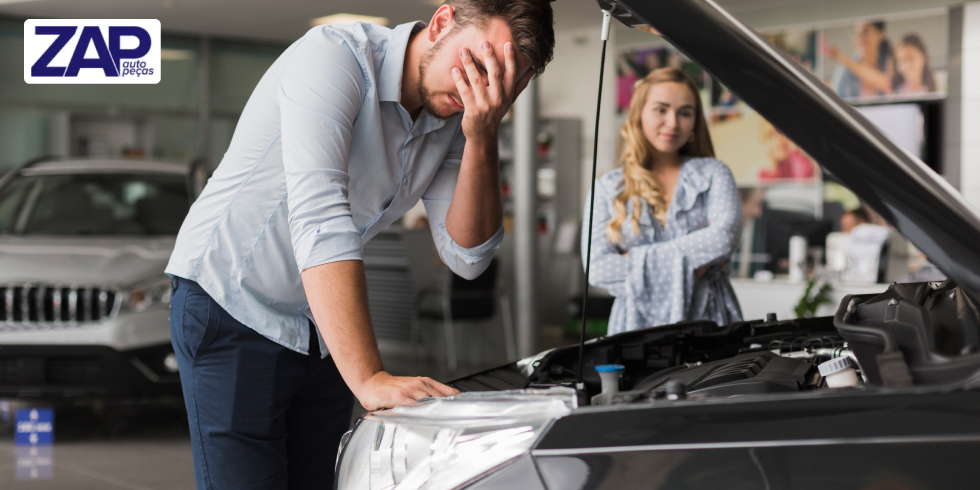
x,y
606,16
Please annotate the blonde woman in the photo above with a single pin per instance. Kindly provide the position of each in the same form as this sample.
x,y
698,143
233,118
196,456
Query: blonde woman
x,y
666,221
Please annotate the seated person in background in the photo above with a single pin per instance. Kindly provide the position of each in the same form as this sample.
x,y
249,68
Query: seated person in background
x,y
667,222
853,218
857,251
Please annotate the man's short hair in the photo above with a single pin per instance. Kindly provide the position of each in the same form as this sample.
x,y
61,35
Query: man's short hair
x,y
531,24
860,215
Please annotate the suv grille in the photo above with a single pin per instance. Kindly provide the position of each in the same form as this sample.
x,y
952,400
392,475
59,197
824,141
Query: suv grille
x,y
26,305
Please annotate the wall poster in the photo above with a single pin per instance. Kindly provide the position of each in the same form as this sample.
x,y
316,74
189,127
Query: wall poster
x,y
875,60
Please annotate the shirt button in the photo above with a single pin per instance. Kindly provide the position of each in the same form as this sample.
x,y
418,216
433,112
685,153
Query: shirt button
x,y
404,180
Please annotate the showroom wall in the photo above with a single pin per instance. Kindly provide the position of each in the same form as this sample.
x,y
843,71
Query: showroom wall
x,y
568,87
191,112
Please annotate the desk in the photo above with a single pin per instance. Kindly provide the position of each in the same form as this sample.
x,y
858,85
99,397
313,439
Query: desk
x,y
780,296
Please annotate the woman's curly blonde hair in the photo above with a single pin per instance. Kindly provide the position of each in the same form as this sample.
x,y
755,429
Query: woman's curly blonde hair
x,y
637,152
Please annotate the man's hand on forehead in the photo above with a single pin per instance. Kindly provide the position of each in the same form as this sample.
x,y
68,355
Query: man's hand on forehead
x,y
483,68
517,70
480,66
487,91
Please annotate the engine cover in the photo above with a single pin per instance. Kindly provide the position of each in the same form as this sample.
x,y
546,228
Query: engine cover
x,y
913,334
746,374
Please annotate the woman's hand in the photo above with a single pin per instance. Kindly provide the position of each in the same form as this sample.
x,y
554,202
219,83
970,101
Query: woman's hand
x,y
833,52
704,270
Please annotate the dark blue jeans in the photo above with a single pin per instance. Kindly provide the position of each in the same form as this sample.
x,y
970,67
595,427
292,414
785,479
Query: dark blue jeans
x,y
261,416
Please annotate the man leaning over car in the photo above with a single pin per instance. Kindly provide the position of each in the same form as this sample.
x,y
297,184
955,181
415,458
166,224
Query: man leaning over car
x,y
347,130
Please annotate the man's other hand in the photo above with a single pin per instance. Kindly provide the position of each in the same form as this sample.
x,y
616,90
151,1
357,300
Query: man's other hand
x,y
386,391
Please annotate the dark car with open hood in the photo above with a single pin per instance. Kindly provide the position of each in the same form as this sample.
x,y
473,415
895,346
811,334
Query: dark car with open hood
x,y
884,394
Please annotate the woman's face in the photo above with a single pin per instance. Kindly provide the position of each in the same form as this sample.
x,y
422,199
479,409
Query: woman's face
x,y
668,116
911,63
867,37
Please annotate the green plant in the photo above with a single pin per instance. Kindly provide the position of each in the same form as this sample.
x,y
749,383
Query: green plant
x,y
808,304
594,327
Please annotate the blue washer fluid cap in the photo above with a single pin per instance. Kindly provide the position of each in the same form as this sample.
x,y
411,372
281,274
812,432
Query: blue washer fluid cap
x,y
610,368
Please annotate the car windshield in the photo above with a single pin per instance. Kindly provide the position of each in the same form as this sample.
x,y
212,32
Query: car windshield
x,y
94,204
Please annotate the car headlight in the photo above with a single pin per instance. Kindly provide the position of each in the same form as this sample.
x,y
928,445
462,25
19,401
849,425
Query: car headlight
x,y
145,295
443,443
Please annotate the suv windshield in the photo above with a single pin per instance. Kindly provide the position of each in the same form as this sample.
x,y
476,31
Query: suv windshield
x,y
94,204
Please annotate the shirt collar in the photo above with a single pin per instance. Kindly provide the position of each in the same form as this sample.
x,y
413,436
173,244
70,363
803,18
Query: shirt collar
x,y
691,182
431,123
390,80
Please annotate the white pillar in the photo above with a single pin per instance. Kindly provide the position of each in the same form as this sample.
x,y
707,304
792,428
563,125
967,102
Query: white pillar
x,y
59,134
525,218
970,106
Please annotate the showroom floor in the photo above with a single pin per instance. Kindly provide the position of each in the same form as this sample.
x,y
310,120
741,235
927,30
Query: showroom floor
x,y
127,447
104,465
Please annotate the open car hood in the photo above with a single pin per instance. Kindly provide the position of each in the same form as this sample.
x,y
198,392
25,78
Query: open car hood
x,y
911,197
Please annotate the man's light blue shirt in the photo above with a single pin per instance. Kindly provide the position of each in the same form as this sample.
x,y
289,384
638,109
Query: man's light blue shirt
x,y
324,157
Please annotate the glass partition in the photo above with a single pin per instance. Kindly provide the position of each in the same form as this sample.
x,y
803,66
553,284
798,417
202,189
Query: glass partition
x,y
23,136
236,68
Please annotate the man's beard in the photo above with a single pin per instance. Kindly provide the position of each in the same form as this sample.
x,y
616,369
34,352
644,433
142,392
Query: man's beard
x,y
424,94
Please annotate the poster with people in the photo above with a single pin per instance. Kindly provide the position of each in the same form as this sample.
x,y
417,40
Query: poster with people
x,y
759,154
774,158
888,58
895,58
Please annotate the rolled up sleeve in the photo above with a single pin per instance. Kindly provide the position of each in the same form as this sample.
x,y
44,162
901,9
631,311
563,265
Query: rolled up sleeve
x,y
318,103
468,263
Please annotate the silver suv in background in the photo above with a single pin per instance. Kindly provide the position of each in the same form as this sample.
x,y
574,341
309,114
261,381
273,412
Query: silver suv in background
x,y
84,301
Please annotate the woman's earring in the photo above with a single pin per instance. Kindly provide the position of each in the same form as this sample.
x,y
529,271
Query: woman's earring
x,y
691,139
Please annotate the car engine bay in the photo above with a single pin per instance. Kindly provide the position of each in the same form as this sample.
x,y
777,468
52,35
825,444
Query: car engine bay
x,y
912,335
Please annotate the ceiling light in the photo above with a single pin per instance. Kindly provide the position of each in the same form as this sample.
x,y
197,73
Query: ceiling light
x,y
348,19
176,54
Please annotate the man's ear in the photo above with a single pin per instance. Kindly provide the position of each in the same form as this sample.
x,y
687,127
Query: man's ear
x,y
441,24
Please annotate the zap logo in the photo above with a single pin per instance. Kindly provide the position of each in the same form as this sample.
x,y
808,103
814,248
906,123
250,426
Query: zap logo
x,y
70,51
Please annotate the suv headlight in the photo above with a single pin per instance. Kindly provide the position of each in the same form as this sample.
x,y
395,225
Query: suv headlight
x,y
443,443
147,294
